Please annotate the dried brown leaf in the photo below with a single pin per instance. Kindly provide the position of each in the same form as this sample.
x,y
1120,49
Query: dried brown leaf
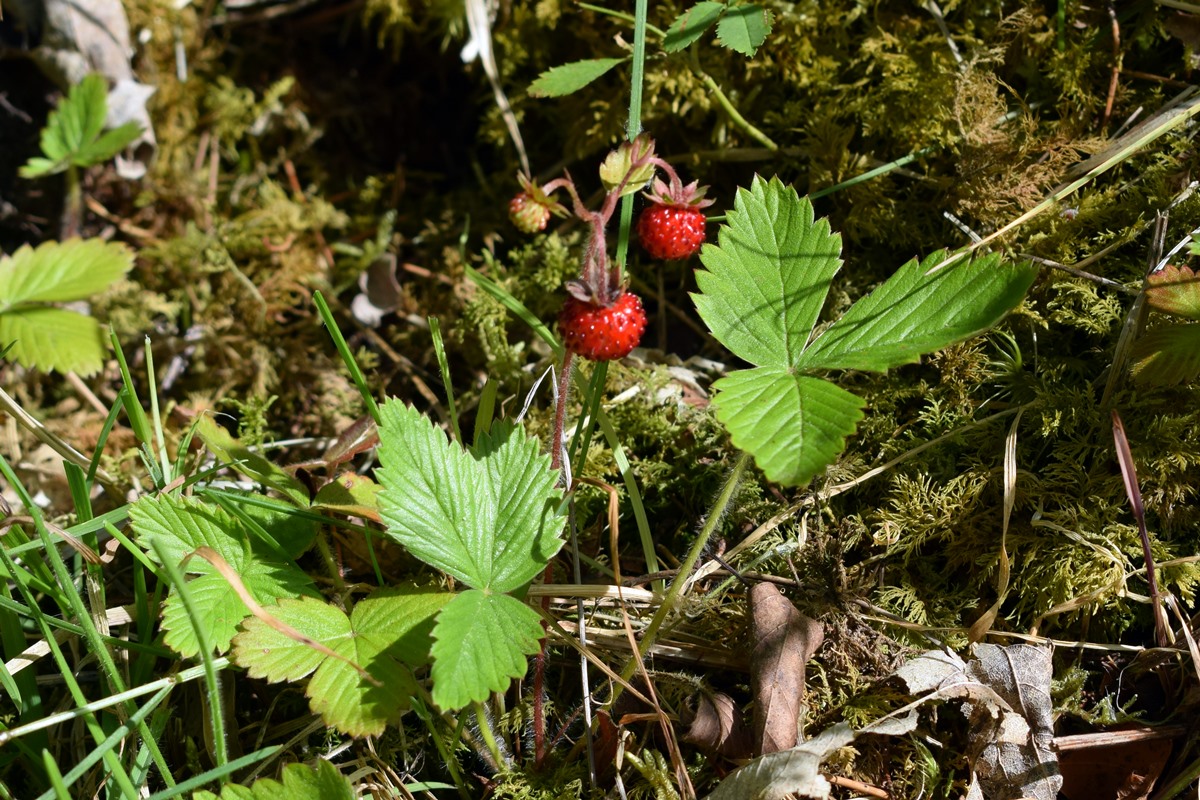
x,y
717,726
784,640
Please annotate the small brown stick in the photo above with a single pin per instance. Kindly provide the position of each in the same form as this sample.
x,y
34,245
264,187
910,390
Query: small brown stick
x,y
858,786
1116,67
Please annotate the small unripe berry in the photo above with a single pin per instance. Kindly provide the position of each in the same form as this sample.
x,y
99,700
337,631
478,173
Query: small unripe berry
x,y
527,214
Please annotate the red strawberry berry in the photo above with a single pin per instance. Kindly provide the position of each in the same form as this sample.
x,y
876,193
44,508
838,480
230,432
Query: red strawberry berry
x,y
671,232
602,333
527,214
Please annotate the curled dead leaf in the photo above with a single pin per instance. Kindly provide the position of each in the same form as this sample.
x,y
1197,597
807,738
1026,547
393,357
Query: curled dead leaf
x,y
784,641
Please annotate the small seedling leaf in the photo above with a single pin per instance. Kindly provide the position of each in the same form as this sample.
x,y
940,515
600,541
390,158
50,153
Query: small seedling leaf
x,y
488,517
53,339
387,634
766,280
181,525
744,28
918,311
691,25
75,124
794,425
1168,355
481,643
37,167
568,78
61,272
1175,290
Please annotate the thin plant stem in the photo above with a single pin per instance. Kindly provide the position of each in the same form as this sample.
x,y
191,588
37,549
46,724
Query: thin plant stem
x,y
73,214
489,738
873,173
343,349
211,680
685,569
560,410
159,439
439,349
734,115
622,15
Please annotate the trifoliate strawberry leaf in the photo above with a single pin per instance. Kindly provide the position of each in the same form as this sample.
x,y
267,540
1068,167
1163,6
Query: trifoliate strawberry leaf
x,y
76,122
761,293
488,517
691,25
481,642
766,280
181,525
387,634
568,78
53,339
794,425
60,272
1168,355
744,28
920,310
300,782
1175,290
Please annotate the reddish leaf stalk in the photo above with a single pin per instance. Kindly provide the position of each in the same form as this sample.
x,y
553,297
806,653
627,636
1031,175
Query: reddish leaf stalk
x,y
1129,476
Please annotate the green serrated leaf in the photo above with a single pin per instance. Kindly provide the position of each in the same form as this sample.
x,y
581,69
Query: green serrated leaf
x,y
387,633
248,462
766,280
917,312
301,782
37,167
481,642
1175,290
794,425
1168,355
218,607
108,145
487,517
78,119
53,339
568,78
183,524
691,25
744,28
61,272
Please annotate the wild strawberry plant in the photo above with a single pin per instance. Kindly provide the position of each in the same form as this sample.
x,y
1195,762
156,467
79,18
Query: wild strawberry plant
x,y
761,295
